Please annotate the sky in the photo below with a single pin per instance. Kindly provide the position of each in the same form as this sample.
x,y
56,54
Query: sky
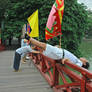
x,y
88,3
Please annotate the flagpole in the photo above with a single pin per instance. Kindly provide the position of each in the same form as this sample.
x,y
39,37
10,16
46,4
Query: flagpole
x,y
60,41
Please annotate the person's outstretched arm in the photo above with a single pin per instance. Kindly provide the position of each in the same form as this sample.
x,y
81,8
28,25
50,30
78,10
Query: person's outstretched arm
x,y
37,52
38,43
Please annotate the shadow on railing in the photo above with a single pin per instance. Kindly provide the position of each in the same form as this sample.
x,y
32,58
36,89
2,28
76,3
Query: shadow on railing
x,y
63,78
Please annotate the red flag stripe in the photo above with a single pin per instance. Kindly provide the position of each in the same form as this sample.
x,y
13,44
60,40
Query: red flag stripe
x,y
60,5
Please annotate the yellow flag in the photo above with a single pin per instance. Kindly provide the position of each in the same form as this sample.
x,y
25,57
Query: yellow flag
x,y
33,21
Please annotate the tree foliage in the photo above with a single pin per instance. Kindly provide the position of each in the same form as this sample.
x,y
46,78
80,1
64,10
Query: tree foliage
x,y
88,33
3,6
21,10
74,22
74,25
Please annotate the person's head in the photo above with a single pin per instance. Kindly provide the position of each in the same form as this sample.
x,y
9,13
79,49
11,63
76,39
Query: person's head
x,y
85,63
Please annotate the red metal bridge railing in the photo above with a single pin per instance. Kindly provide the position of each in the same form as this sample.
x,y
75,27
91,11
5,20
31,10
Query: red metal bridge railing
x,y
56,74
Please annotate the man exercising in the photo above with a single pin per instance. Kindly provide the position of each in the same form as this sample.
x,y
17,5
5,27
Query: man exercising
x,y
59,53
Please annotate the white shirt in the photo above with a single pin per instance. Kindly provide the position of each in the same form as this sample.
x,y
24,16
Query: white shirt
x,y
57,53
53,52
72,58
24,49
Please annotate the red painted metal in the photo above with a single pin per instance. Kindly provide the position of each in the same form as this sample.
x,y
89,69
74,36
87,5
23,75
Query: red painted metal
x,y
2,47
53,71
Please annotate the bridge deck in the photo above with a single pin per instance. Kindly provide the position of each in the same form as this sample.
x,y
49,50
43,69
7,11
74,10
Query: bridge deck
x,y
28,79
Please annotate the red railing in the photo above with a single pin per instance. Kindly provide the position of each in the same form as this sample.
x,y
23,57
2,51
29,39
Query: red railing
x,y
56,74
2,47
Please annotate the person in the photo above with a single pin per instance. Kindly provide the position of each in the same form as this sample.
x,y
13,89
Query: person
x,y
59,53
21,52
24,43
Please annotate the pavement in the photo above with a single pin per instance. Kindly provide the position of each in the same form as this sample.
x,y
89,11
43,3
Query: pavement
x,y
28,79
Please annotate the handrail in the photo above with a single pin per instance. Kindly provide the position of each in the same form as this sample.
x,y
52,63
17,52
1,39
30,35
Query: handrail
x,y
82,70
54,72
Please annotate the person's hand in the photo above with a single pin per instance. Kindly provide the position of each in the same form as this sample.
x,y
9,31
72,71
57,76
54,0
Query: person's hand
x,y
27,37
64,60
36,52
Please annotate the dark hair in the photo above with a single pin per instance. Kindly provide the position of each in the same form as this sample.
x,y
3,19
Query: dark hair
x,y
27,37
86,66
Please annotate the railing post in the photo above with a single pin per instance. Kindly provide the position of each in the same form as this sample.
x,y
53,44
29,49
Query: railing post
x,y
83,82
82,86
55,75
43,65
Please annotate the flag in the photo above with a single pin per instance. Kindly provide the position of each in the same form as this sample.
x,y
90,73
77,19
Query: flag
x,y
53,26
28,29
33,22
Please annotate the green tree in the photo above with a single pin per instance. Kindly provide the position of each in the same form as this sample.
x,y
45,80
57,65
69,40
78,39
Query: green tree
x,y
74,22
4,4
21,10
88,33
74,26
